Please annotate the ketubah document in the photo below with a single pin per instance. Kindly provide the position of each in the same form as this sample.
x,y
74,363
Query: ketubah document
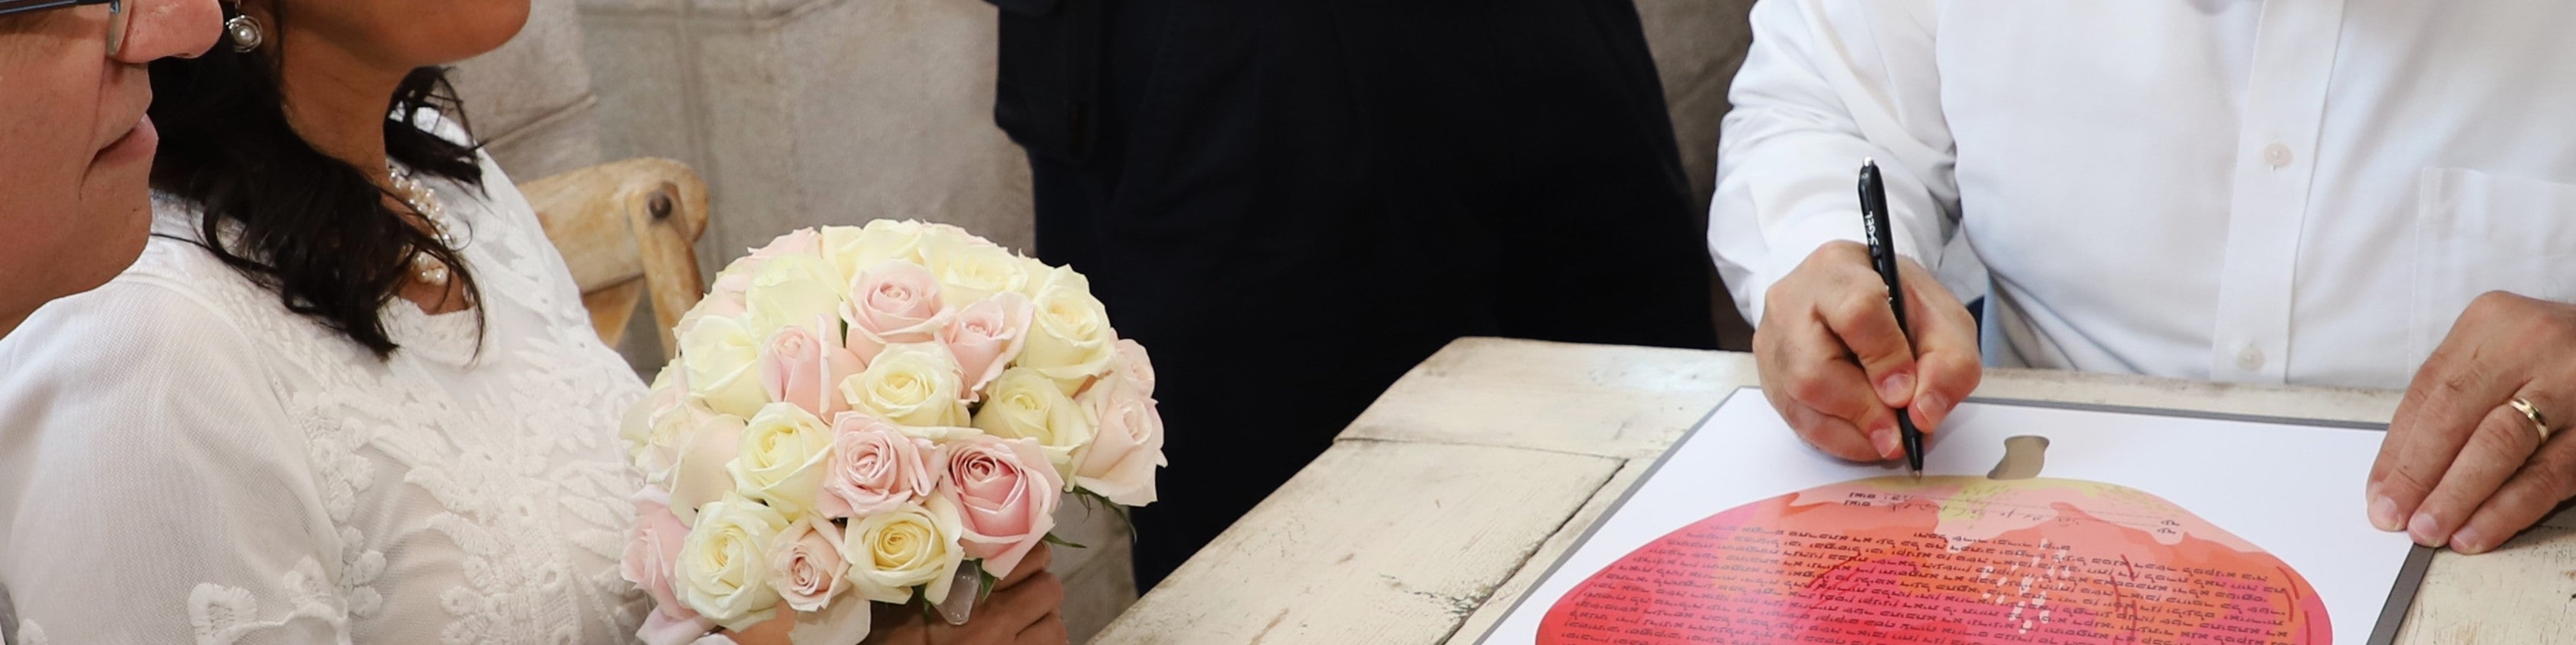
x,y
2033,523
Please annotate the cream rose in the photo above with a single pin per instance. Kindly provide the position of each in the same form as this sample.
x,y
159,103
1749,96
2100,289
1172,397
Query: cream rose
x,y
724,565
1027,405
914,384
944,229
722,360
1069,337
805,564
1038,272
892,302
969,269
652,554
853,249
698,475
670,434
913,545
668,391
781,459
1127,446
802,366
875,467
791,290
1006,498
985,336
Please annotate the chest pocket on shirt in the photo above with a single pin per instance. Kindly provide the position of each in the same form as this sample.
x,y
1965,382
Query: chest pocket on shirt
x,y
2477,232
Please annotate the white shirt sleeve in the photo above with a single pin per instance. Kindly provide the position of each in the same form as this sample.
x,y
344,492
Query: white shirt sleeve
x,y
1827,84
152,487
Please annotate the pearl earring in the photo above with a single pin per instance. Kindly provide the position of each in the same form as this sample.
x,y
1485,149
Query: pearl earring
x,y
245,32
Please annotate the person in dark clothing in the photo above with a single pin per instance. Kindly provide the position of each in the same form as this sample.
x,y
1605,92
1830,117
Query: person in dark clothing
x,y
1292,203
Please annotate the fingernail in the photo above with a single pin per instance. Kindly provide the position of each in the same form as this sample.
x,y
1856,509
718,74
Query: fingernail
x,y
1932,405
1885,440
2425,531
1894,388
2383,513
2469,541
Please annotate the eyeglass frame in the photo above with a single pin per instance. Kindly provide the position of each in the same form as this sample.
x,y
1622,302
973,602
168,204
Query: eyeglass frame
x,y
116,16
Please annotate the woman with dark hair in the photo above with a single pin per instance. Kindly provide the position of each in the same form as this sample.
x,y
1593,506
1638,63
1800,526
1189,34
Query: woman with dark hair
x,y
349,393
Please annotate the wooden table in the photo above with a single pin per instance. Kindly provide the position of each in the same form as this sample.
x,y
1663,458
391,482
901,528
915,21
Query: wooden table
x,y
1451,495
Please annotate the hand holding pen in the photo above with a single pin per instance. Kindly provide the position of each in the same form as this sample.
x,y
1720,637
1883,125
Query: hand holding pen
x,y
1837,365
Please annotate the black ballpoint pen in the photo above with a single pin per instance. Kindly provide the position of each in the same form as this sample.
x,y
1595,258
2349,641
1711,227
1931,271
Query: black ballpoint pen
x,y
1882,255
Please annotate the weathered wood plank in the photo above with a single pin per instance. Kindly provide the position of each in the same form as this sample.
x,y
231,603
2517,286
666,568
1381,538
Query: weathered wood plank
x,y
1603,400
2522,593
1375,542
1555,547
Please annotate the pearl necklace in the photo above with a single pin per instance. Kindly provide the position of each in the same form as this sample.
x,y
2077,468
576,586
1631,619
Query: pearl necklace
x,y
425,268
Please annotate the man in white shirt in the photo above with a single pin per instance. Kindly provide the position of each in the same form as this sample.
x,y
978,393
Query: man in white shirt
x,y
75,150
2370,193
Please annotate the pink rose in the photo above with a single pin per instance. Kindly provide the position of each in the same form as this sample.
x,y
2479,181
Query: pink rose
x,y
805,564
670,390
875,467
724,300
985,336
1006,494
803,240
698,476
1125,447
1128,361
892,302
651,553
798,367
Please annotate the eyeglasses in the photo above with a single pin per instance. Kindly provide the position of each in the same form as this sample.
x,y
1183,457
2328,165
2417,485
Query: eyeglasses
x,y
115,16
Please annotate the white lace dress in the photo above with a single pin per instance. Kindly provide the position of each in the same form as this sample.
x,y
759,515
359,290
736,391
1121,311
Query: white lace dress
x,y
182,460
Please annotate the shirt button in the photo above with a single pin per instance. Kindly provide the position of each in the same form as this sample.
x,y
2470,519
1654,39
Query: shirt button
x,y
2276,154
2249,359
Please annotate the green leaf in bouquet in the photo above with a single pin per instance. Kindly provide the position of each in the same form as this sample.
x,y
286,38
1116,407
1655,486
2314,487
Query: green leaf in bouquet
x,y
921,598
1093,501
987,581
1052,539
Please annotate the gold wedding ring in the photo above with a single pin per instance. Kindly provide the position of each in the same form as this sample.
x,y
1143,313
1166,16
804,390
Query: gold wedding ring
x,y
2532,412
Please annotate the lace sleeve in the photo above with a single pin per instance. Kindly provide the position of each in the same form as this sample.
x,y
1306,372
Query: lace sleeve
x,y
152,487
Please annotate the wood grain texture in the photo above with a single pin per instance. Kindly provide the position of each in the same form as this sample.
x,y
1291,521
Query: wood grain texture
x,y
611,307
624,221
1375,542
1496,431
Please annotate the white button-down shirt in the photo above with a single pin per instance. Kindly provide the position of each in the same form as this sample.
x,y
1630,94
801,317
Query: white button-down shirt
x,y
2300,191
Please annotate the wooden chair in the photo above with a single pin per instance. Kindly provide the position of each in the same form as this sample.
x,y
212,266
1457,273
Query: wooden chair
x,y
628,229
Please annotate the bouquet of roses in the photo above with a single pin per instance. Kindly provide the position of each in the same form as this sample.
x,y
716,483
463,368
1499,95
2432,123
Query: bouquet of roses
x,y
884,414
